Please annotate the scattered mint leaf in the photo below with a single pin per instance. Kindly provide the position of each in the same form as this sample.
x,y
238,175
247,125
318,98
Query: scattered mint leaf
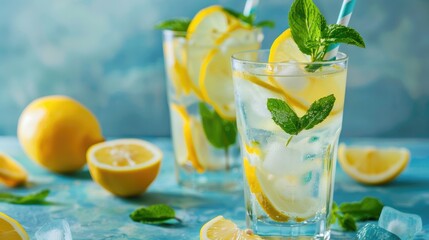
x,y
367,209
317,112
250,19
347,214
221,133
180,25
312,34
286,118
154,214
33,198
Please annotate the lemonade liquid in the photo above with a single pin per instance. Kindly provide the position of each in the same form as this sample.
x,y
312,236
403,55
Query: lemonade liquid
x,y
288,181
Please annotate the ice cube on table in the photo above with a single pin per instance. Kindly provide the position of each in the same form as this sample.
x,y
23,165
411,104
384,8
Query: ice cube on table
x,y
371,232
54,230
404,225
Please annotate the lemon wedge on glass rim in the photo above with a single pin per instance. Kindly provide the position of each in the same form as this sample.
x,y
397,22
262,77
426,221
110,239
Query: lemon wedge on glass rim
x,y
371,165
124,167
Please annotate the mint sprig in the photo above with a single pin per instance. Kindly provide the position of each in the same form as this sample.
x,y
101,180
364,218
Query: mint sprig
x,y
33,198
180,25
313,35
286,118
221,133
250,19
155,214
348,213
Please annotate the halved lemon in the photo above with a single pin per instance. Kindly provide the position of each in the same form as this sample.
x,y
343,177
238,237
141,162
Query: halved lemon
x,y
301,92
371,165
12,174
124,167
11,229
220,228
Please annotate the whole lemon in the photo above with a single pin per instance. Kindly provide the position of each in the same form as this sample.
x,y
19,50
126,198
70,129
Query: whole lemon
x,y
56,131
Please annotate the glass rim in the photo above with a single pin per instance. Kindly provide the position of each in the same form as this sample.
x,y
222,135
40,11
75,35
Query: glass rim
x,y
343,58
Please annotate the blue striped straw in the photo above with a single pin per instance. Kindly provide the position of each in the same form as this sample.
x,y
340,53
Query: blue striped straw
x,y
343,19
250,7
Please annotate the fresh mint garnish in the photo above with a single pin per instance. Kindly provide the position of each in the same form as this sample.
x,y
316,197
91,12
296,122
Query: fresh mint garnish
x,y
313,35
180,25
347,214
33,198
250,19
286,118
155,214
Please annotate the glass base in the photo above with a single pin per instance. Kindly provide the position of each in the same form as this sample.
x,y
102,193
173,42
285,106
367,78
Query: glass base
x,y
219,181
295,231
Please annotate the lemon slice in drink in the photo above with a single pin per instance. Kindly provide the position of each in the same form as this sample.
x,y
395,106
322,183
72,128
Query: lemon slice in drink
x,y
10,229
12,174
370,165
301,92
220,228
124,167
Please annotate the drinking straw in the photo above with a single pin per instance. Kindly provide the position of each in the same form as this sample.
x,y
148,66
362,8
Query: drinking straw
x,y
343,19
250,7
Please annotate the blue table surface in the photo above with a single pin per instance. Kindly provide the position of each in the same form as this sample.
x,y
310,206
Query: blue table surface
x,y
94,213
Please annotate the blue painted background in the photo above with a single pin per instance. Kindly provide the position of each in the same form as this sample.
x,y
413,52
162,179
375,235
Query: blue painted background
x,y
106,54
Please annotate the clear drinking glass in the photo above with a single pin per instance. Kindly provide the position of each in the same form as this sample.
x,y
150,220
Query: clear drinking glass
x,y
288,178
202,109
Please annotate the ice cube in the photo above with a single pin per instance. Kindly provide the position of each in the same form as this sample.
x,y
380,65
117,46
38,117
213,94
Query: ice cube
x,y
424,234
281,160
371,232
404,225
294,80
54,230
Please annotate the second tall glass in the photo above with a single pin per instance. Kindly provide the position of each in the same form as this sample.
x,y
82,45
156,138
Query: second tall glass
x,y
202,110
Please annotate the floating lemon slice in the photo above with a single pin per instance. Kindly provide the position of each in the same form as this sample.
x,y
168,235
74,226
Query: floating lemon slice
x,y
10,229
124,167
370,165
220,228
301,92
12,174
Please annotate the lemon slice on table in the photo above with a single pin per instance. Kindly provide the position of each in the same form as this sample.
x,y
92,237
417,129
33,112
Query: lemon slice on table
x,y
191,145
301,92
10,229
12,174
220,228
124,167
371,165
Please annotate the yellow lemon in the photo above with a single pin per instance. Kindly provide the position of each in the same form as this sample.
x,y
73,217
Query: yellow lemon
x,y
10,229
371,165
284,49
12,174
220,228
124,167
56,131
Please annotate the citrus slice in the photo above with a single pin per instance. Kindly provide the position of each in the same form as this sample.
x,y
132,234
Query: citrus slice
x,y
298,91
215,79
190,143
10,229
124,167
220,228
371,165
12,174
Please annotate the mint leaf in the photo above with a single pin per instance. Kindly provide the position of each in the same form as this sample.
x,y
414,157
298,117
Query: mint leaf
x,y
180,25
367,209
284,116
336,33
317,112
33,198
347,222
306,24
220,133
154,214
250,19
